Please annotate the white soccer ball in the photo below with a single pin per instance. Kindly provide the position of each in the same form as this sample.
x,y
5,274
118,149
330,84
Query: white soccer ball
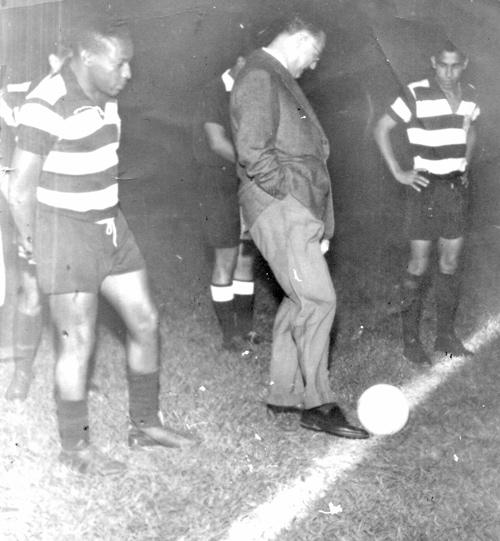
x,y
383,409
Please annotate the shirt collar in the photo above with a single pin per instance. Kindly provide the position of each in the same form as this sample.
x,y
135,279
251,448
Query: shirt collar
x,y
227,80
278,57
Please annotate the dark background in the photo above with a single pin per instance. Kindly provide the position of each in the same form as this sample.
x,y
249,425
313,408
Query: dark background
x,y
373,47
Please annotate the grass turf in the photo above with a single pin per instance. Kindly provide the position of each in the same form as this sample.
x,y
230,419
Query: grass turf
x,y
411,488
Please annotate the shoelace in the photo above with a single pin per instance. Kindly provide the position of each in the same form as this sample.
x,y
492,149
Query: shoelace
x,y
110,228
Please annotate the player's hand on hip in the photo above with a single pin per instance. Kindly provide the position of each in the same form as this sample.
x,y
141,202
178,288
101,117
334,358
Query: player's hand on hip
x,y
413,178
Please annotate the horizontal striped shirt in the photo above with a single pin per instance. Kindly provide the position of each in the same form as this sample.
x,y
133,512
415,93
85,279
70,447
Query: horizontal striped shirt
x,y
437,135
78,140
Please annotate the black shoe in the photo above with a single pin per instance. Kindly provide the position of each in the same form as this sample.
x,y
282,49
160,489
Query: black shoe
x,y
414,353
451,345
86,459
330,418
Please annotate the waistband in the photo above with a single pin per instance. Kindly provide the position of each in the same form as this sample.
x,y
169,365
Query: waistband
x,y
454,176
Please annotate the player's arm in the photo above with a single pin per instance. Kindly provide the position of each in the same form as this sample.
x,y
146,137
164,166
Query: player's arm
x,y
219,142
471,142
382,135
26,169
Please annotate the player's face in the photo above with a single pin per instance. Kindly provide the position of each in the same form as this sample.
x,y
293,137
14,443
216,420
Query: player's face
x,y
109,69
308,53
449,67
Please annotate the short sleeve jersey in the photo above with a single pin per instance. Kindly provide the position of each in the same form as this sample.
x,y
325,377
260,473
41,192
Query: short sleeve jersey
x,y
213,106
437,135
78,141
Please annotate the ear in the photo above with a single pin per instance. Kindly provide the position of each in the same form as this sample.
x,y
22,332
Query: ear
x,y
465,62
433,62
86,57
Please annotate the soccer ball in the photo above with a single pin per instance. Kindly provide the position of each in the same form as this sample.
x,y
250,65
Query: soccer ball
x,y
383,409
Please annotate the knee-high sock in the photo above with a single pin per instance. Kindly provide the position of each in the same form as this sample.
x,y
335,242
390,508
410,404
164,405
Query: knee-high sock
x,y
413,292
73,422
223,303
447,298
144,402
243,304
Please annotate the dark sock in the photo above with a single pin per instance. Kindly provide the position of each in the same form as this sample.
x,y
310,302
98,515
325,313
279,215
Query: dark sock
x,y
223,303
73,422
144,404
243,305
447,297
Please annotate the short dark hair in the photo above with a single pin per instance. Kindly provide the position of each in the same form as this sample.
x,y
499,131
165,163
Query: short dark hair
x,y
90,33
447,46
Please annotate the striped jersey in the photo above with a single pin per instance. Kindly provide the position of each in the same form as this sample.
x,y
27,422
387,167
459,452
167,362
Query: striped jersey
x,y
78,140
437,135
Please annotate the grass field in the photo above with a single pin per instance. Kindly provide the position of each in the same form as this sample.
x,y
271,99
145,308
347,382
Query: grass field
x,y
435,480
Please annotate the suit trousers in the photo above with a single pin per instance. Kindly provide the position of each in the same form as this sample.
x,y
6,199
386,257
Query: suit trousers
x,y
288,236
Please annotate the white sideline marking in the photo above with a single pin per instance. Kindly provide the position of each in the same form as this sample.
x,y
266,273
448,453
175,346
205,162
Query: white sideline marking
x,y
292,501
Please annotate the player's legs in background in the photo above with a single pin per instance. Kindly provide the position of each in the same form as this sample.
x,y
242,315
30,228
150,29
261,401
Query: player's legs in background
x,y
27,326
222,293
447,297
244,291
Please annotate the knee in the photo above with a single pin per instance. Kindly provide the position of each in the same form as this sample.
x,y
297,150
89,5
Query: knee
x,y
147,321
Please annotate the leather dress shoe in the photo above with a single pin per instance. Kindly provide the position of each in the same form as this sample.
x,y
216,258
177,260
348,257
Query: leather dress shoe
x,y
276,410
329,418
451,345
159,436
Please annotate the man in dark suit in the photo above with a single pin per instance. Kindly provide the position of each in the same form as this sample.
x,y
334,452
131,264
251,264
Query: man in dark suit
x,y
286,201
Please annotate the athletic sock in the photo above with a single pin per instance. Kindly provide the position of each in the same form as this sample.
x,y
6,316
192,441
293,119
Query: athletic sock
x,y
73,422
144,402
243,305
223,303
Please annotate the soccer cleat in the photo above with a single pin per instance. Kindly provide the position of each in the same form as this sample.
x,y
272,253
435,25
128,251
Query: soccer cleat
x,y
86,459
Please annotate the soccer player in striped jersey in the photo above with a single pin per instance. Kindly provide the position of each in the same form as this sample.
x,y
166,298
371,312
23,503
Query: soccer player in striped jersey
x,y
439,114
26,326
65,168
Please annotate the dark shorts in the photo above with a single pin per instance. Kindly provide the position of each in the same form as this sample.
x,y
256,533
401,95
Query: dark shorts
x,y
438,211
74,255
220,210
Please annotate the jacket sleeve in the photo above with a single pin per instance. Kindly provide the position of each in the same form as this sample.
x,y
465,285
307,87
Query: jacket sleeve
x,y
255,120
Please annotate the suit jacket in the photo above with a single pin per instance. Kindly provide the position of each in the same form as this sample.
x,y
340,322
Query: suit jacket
x,y
282,149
